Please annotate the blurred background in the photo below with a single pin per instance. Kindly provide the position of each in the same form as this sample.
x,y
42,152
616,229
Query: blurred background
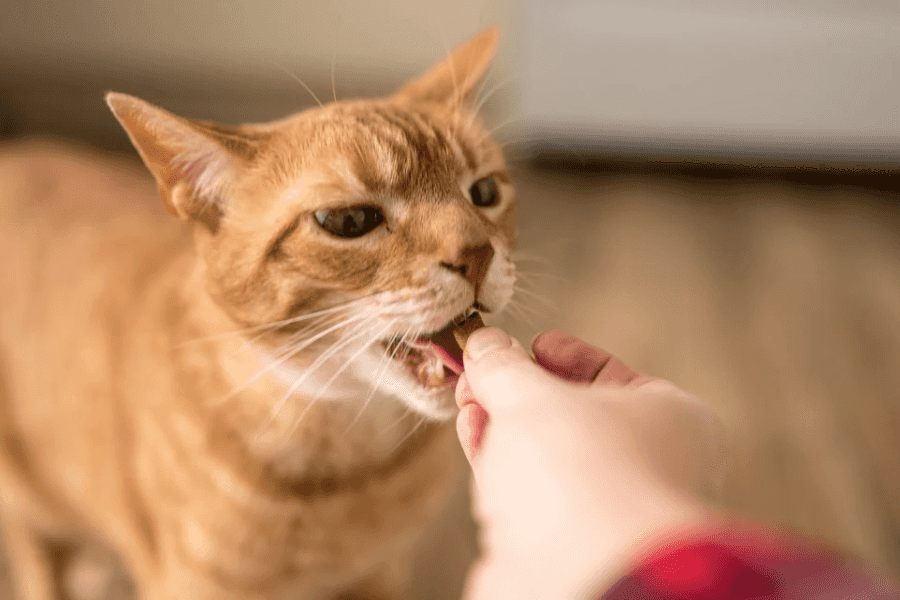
x,y
707,189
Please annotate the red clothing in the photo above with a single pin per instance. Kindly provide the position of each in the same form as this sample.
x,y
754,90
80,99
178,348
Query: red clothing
x,y
740,562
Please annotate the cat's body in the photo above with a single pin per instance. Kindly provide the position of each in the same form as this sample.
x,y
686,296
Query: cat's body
x,y
129,411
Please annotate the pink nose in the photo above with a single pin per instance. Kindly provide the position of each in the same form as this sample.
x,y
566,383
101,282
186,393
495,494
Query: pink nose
x,y
472,263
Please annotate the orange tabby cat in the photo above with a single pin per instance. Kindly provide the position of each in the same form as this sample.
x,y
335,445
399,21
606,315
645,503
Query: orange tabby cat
x,y
287,460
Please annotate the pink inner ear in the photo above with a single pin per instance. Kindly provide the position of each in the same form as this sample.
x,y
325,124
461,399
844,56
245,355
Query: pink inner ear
x,y
193,170
206,169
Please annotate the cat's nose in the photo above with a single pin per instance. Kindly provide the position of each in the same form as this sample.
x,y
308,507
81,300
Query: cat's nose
x,y
472,263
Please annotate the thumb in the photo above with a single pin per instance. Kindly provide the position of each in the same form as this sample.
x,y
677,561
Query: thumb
x,y
500,372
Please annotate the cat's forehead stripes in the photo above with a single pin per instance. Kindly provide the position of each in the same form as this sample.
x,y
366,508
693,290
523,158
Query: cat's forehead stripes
x,y
396,151
423,134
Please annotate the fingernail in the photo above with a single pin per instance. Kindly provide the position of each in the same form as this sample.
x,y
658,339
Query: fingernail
x,y
487,340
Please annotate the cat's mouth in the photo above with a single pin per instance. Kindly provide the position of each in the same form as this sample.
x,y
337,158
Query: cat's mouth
x,y
435,359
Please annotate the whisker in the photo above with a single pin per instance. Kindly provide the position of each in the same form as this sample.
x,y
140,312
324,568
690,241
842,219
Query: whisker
x,y
289,321
288,354
356,355
307,328
380,373
518,255
519,310
412,430
300,335
333,91
298,80
496,89
473,112
543,274
538,297
505,123
407,411
322,359
481,87
335,375
526,308
300,343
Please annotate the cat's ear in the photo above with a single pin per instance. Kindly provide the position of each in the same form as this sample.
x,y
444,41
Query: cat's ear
x,y
453,79
194,162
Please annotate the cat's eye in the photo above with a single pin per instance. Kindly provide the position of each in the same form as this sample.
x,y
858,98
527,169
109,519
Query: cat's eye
x,y
485,192
350,222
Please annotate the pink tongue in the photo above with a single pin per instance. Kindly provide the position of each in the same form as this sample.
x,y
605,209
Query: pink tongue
x,y
444,345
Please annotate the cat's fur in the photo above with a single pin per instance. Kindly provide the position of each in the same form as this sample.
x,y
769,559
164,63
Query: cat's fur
x,y
129,410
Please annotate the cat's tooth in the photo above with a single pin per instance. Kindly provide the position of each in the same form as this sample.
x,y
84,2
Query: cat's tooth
x,y
431,373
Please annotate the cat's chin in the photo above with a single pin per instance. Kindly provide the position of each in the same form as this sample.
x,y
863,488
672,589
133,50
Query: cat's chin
x,y
398,379
437,405
435,402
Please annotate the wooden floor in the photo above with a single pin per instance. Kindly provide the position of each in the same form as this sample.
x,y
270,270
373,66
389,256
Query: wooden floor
x,y
778,303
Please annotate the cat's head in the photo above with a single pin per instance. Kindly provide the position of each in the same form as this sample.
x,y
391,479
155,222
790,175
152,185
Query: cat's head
x,y
364,228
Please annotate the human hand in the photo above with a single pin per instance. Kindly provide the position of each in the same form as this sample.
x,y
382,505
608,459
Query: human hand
x,y
575,458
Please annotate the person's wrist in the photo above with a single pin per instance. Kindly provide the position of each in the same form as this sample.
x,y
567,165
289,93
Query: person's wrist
x,y
650,511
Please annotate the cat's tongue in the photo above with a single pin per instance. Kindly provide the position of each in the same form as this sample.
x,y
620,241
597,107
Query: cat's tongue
x,y
444,345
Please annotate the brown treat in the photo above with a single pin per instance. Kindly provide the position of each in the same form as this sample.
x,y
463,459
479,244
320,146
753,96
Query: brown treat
x,y
462,331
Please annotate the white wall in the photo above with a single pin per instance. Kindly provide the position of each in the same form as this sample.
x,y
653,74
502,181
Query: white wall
x,y
794,78
241,37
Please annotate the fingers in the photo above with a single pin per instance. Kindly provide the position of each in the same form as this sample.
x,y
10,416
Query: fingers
x,y
568,356
499,372
574,360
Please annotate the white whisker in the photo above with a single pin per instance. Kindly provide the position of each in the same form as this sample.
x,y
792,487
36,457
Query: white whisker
x,y
298,80
380,373
535,296
503,124
526,276
356,355
289,354
407,411
333,90
481,88
524,255
495,89
322,359
519,310
412,430
289,321
298,335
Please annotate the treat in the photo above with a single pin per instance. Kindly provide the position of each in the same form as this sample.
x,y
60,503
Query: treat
x,y
462,330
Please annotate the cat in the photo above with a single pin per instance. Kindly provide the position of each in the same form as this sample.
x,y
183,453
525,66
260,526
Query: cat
x,y
255,404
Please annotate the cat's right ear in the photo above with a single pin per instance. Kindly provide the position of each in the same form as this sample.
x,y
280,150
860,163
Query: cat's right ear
x,y
194,162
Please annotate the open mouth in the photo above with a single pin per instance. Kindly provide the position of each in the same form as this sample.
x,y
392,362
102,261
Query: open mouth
x,y
435,359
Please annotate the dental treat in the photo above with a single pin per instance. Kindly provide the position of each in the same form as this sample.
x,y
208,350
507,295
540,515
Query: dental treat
x,y
465,328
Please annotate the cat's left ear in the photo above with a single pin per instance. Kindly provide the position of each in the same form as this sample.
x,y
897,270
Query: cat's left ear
x,y
453,79
194,162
